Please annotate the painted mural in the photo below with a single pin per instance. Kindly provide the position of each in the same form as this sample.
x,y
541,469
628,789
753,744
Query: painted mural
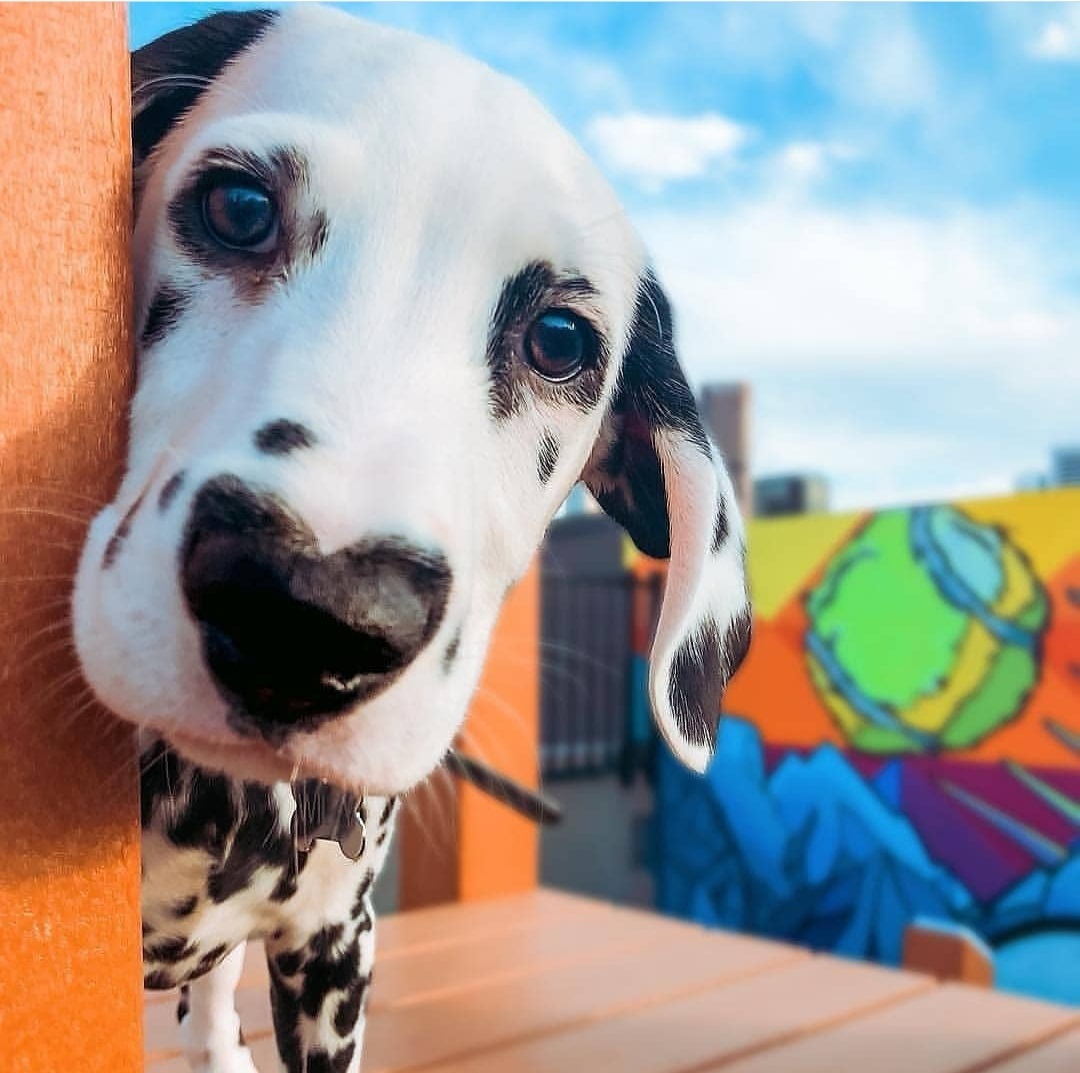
x,y
903,740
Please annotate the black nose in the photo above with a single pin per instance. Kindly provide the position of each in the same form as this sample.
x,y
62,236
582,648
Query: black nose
x,y
292,636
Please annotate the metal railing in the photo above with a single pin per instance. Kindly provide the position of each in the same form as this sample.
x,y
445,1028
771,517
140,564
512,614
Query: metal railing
x,y
586,672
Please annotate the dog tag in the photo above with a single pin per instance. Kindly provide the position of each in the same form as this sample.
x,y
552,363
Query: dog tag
x,y
330,818
352,837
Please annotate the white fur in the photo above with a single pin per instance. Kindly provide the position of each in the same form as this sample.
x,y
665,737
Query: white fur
x,y
440,179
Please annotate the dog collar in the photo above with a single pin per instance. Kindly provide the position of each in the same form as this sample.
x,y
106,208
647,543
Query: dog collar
x,y
332,815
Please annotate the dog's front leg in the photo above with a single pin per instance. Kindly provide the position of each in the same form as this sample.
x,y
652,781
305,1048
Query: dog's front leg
x,y
318,991
209,1025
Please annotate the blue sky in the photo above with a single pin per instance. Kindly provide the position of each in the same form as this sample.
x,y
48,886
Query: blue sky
x,y
867,211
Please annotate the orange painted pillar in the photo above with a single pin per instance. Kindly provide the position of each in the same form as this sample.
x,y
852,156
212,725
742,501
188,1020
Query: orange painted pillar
x,y
70,973
457,844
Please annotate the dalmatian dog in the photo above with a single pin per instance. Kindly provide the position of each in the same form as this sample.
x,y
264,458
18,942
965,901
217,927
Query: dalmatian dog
x,y
387,315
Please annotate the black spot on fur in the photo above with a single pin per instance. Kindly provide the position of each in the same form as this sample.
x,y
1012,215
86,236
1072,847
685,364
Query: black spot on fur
x,y
170,951
208,961
701,669
451,652
285,887
342,1059
123,531
348,1011
169,490
200,52
208,817
320,1061
360,907
524,296
289,962
165,310
696,686
548,457
283,437
720,527
324,941
258,842
112,549
326,974
159,980
186,907
285,1007
737,640
183,1006
388,809
320,231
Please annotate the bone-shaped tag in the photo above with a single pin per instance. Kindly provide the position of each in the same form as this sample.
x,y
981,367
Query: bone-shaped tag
x,y
335,820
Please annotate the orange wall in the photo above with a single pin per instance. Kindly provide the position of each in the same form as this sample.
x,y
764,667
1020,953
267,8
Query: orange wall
x,y
70,960
458,843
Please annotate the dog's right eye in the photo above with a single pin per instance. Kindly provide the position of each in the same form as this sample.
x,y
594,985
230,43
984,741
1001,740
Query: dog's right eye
x,y
240,214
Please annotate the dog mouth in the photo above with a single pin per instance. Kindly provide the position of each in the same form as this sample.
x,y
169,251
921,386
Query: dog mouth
x,y
250,758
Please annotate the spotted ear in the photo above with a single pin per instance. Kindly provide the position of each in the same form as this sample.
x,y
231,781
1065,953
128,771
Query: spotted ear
x,y
655,471
170,73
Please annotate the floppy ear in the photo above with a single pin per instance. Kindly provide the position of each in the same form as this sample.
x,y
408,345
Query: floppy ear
x,y
655,471
170,74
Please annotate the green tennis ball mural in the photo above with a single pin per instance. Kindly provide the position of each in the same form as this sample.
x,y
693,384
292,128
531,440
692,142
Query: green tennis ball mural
x,y
925,632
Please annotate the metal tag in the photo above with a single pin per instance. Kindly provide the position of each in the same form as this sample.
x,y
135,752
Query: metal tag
x,y
330,817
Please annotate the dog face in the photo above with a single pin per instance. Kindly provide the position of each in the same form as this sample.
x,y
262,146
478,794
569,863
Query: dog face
x,y
387,315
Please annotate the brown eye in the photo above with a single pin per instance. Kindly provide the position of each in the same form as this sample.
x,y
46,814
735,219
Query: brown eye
x,y
240,215
559,344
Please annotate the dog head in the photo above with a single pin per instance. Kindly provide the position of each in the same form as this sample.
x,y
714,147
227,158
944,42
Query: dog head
x,y
387,315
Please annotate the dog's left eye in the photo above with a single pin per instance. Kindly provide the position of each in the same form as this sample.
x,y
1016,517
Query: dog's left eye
x,y
240,215
559,344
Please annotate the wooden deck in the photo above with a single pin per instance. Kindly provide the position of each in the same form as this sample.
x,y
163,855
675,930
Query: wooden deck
x,y
550,983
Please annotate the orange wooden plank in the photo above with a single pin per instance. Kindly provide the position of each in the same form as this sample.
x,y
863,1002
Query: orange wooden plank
x,y
680,962
1060,1055
948,1030
717,1024
446,925
423,975
70,959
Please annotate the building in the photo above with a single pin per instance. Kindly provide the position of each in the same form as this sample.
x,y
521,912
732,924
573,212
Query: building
x,y
1066,466
725,409
796,493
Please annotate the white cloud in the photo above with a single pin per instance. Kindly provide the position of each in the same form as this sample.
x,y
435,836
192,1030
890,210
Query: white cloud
x,y
806,161
869,56
885,66
1059,39
784,283
905,357
655,149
